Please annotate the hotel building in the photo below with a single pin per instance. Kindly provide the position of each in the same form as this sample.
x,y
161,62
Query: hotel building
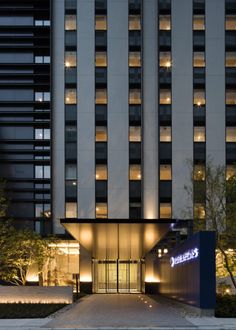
x,y
102,102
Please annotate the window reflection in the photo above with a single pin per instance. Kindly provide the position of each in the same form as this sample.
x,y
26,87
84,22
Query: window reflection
x,y
135,172
165,211
230,134
165,59
165,172
71,210
198,22
70,22
199,59
230,59
199,97
70,59
70,96
101,133
231,97
165,96
101,172
164,22
134,96
165,134
100,22
199,134
230,22
101,59
134,59
230,171
199,211
101,96
199,172
101,210
134,22
134,133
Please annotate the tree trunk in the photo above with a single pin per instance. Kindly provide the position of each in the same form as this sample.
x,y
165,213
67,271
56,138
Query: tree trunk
x,y
228,267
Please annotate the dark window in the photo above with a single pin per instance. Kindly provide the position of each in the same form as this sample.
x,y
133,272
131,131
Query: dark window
x,y
165,152
135,152
101,114
101,152
135,190
101,191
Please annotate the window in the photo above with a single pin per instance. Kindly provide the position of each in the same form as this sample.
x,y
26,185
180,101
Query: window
x,y
71,171
134,59
134,133
199,211
165,211
101,96
198,22
135,172
100,22
70,59
165,59
42,133
199,97
71,210
101,210
230,134
42,59
165,134
230,171
42,23
134,96
199,134
70,22
70,96
231,97
165,96
230,59
71,133
230,22
42,96
199,173
101,59
165,172
134,22
199,59
101,172
101,133
164,22
42,172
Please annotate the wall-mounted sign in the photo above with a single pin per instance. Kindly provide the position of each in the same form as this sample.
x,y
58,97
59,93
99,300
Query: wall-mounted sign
x,y
188,255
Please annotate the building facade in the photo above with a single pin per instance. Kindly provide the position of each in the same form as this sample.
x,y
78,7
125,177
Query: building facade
x,y
102,103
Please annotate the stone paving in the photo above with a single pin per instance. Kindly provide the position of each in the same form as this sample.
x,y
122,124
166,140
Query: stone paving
x,y
118,310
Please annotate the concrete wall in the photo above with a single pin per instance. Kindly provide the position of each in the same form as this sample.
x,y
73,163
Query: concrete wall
x,y
36,294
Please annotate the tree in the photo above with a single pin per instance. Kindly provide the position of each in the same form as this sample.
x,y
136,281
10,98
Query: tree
x,y
214,198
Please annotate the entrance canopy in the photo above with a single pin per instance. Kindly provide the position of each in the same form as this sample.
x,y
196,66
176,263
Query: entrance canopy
x,y
117,239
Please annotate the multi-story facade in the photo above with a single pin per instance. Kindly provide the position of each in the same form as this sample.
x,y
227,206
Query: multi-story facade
x,y
114,97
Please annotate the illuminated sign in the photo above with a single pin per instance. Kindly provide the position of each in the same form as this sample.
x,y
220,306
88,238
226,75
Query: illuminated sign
x,y
188,255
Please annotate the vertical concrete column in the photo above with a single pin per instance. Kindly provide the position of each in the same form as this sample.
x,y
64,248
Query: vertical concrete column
x,y
182,102
86,108
150,110
215,80
118,110
58,119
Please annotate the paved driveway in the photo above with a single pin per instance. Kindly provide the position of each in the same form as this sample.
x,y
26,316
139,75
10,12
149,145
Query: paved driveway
x,y
118,310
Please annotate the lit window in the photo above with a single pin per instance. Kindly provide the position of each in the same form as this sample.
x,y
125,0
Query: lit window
x,y
165,211
134,133
134,59
42,133
100,22
199,97
165,172
135,172
230,134
199,134
70,96
198,22
101,134
101,59
165,59
199,59
199,211
164,22
134,96
70,22
39,210
70,59
134,22
165,96
101,96
230,171
71,171
42,59
199,172
71,210
230,22
231,97
101,172
230,59
165,134
101,210
38,171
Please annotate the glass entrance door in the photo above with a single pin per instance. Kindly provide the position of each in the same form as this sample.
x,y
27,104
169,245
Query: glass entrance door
x,y
117,276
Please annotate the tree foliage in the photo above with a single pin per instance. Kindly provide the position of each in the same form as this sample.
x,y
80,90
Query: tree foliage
x,y
217,196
